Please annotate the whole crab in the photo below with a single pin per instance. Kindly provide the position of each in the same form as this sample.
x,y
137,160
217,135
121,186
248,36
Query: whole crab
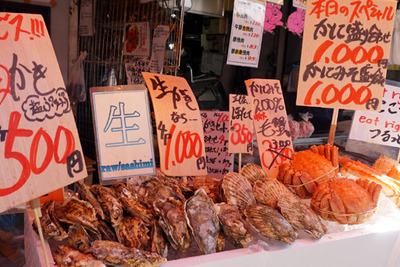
x,y
308,168
346,201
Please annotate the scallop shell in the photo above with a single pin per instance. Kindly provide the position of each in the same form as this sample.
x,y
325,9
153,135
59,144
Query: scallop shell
x,y
237,190
268,191
253,172
270,223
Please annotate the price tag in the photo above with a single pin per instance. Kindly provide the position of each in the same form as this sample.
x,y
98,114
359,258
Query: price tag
x,y
240,124
179,128
381,127
122,126
40,149
215,127
345,53
270,124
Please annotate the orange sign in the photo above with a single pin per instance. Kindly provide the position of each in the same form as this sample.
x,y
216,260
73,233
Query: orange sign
x,y
240,124
270,124
39,144
179,127
345,53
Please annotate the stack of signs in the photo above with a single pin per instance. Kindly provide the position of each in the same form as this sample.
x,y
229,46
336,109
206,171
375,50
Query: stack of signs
x,y
123,136
40,149
345,53
246,33
179,128
215,128
270,124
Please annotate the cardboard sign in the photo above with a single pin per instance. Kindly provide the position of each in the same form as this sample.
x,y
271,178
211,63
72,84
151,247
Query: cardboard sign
x,y
40,149
215,127
137,39
240,124
246,33
179,128
379,127
270,124
122,125
345,53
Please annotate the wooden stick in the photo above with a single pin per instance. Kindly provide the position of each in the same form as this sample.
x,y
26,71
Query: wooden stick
x,y
240,162
332,130
35,206
398,155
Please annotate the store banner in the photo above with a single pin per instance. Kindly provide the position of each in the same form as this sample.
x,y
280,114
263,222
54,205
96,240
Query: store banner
x,y
179,127
381,127
270,124
122,124
40,149
216,131
246,33
240,124
345,53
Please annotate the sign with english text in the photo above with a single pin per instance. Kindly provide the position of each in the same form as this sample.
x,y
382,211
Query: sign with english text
x,y
40,149
381,127
216,130
179,127
122,124
345,53
240,124
270,124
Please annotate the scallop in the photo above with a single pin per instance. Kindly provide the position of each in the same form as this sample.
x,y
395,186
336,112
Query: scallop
x,y
237,190
253,172
267,191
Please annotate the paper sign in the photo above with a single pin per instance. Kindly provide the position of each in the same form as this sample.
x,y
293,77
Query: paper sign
x,y
270,124
179,128
246,33
86,19
122,126
134,69
215,127
160,37
345,53
300,4
240,124
40,149
137,39
379,127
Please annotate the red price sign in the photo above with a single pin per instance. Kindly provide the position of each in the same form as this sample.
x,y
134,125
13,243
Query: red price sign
x,y
241,124
345,54
179,126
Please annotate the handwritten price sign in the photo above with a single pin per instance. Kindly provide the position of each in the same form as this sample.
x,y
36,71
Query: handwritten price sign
x,y
179,127
345,53
39,144
379,127
270,124
241,124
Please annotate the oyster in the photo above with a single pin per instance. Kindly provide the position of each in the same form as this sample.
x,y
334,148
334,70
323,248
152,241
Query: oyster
x,y
270,223
65,256
203,221
105,231
161,193
237,190
301,216
134,207
220,241
233,225
78,238
48,221
253,172
147,185
159,244
78,211
132,232
110,204
268,191
85,194
211,185
116,254
173,222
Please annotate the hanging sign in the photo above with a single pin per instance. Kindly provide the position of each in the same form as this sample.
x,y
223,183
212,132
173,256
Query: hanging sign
x,y
134,69
240,124
246,33
345,53
40,149
160,37
215,128
178,123
137,39
122,126
270,124
379,127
